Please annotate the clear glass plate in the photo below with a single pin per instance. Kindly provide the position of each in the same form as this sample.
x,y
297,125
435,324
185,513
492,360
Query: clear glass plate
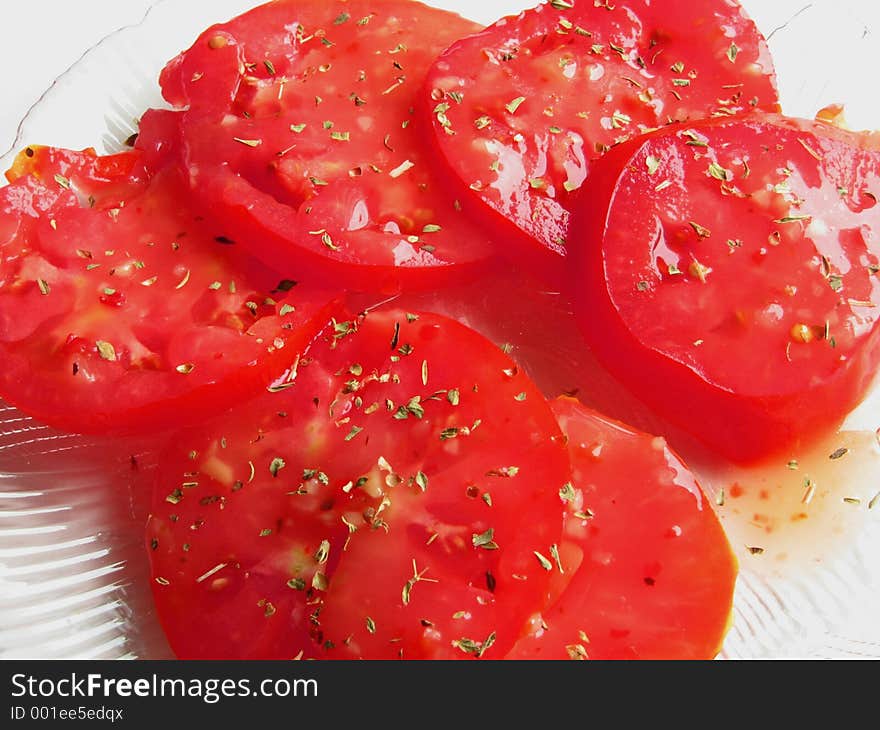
x,y
73,573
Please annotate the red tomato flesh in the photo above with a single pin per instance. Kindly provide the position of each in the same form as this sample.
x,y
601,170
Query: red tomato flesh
x,y
117,312
521,110
387,504
300,138
646,570
727,274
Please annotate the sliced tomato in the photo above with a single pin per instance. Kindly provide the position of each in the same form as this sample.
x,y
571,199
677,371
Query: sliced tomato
x,y
727,274
521,110
644,570
300,138
118,313
385,503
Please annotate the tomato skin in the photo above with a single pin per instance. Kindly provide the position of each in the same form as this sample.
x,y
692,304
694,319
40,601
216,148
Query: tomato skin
x,y
430,507
778,343
158,139
148,331
522,110
649,573
310,160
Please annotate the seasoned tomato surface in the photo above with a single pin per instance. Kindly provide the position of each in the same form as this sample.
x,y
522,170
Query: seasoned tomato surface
x,y
644,570
521,110
727,273
300,137
118,313
388,501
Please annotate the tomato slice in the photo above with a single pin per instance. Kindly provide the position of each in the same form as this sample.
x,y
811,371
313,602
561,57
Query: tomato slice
x,y
386,505
300,138
728,276
118,313
646,570
521,110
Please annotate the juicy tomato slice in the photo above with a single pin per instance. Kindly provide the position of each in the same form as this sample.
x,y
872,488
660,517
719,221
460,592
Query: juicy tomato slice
x,y
521,110
117,312
646,570
300,138
386,502
728,276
